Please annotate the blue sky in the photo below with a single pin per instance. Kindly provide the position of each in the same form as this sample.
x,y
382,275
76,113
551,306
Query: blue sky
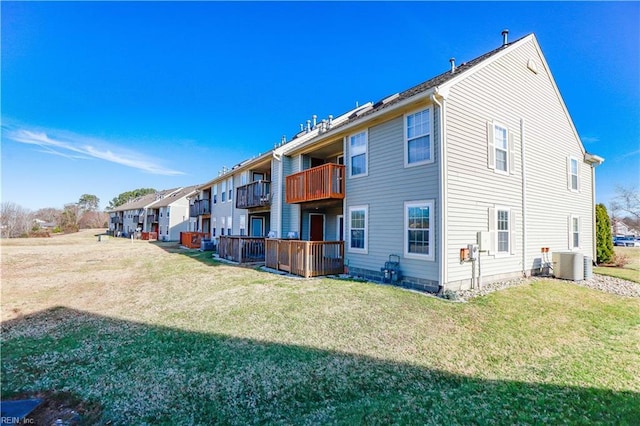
x,y
105,97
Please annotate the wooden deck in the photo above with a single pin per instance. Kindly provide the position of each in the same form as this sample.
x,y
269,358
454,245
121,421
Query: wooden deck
x,y
241,249
318,183
192,239
305,258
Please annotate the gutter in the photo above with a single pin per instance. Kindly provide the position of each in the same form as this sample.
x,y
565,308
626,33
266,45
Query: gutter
x,y
442,237
594,161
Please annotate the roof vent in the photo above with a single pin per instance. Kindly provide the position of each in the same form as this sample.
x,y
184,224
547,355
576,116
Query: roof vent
x,y
505,33
452,61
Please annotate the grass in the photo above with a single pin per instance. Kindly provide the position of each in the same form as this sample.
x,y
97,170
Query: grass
x,y
154,334
630,272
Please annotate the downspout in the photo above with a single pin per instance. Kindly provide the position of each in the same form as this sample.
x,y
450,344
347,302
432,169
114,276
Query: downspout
x,y
442,235
593,161
524,199
277,155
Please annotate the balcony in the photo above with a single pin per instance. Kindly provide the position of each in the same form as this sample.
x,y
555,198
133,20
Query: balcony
x,y
152,218
116,219
199,208
305,258
324,182
254,194
241,249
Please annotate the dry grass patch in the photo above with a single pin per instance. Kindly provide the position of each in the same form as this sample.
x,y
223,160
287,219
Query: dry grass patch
x,y
161,335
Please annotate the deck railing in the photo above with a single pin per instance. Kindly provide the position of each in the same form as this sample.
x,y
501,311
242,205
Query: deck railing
x,y
241,249
192,239
318,183
200,207
305,258
254,194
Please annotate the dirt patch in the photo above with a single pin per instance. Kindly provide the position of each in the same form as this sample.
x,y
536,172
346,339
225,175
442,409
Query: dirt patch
x,y
60,408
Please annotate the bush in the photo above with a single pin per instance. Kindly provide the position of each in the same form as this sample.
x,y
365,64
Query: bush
x,y
620,260
604,239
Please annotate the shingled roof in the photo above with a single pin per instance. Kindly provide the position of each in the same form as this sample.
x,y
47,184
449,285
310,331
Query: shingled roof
x,y
426,85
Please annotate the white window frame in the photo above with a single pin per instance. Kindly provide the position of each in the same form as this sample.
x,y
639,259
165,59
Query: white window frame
x,y
243,224
215,193
429,133
229,225
359,152
493,230
491,147
573,220
431,229
570,174
365,249
223,191
230,189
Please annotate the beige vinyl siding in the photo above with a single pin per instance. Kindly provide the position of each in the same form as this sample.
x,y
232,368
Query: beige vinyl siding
x,y
385,190
507,91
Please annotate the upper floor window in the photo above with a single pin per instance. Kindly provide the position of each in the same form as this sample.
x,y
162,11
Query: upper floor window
x,y
573,175
215,193
230,188
358,154
500,148
223,191
418,141
418,230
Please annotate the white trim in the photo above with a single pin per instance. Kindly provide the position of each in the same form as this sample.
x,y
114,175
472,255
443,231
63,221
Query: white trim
x,y
366,154
364,250
431,229
492,144
570,174
339,228
509,231
324,224
429,134
571,232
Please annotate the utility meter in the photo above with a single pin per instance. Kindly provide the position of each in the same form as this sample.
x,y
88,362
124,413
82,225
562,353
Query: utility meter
x,y
473,251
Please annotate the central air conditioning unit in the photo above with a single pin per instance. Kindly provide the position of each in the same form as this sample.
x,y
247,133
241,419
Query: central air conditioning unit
x,y
568,265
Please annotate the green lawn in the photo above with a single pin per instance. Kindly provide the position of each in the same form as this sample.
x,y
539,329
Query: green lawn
x,y
153,334
631,271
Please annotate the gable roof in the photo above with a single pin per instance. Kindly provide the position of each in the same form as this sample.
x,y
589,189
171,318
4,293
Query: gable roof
x,y
143,201
172,197
409,95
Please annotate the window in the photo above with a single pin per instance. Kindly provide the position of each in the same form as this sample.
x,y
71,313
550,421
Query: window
x,y
418,141
500,148
572,170
229,227
213,226
223,225
223,192
243,178
358,154
243,224
418,230
574,232
502,227
168,211
230,188
358,229
215,194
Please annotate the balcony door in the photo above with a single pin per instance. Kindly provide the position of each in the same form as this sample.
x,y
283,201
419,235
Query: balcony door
x,y
257,227
316,227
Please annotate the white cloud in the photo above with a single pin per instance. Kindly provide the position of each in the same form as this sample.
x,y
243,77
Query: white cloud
x,y
629,154
80,147
590,139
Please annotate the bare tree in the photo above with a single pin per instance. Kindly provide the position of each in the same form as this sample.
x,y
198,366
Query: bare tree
x,y
48,214
15,220
627,203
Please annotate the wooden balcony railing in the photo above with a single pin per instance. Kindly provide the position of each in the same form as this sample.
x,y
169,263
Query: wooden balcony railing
x,y
116,219
254,194
199,207
192,240
241,249
318,183
305,258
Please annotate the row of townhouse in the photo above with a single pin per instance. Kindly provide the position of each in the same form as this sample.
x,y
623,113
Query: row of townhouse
x,y
482,157
162,215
